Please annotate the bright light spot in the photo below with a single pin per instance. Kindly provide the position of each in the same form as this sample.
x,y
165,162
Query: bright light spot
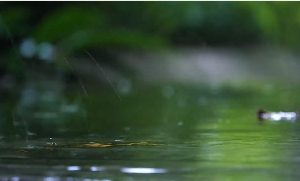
x,y
46,52
275,117
51,179
73,168
15,178
143,170
280,116
124,86
96,169
28,48
180,123
87,179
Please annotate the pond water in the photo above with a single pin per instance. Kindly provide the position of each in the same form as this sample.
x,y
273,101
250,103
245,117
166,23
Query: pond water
x,y
55,131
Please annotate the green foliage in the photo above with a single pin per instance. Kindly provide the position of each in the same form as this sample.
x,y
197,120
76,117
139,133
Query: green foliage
x,y
154,24
279,22
66,21
76,28
14,22
73,27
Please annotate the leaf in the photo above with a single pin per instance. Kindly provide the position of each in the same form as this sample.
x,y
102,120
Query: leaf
x,y
67,21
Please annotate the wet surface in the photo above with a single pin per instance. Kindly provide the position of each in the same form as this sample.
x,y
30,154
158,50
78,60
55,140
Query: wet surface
x,y
132,130
209,154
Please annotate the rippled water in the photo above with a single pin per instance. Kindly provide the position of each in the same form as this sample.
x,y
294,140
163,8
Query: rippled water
x,y
210,154
163,132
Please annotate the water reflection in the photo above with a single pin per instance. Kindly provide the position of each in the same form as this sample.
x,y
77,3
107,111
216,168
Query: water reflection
x,y
233,153
97,169
277,116
143,170
73,168
157,132
43,107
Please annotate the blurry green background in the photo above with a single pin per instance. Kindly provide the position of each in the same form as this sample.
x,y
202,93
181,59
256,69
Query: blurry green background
x,y
137,86
48,51
107,26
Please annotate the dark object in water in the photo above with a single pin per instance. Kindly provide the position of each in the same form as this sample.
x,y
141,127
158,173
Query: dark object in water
x,y
276,116
260,113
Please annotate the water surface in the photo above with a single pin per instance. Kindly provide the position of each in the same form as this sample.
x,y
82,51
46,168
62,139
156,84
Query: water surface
x,y
56,131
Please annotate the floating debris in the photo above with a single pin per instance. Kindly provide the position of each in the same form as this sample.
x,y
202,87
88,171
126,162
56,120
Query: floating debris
x,y
96,145
100,145
277,116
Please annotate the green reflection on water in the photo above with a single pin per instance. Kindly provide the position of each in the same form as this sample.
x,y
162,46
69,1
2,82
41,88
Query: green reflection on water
x,y
198,132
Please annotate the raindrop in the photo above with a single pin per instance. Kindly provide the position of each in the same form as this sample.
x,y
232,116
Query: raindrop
x,y
127,128
28,133
104,74
124,86
180,123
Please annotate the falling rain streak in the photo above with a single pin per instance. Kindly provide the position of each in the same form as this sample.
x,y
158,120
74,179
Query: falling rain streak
x,y
104,74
